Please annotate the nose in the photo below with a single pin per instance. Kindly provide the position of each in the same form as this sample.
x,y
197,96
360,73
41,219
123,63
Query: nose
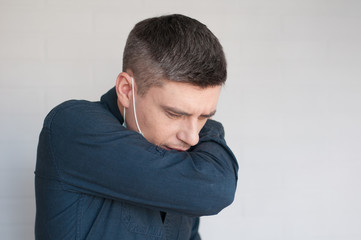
x,y
189,133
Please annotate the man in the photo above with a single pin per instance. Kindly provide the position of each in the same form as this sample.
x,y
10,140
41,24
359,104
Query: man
x,y
146,161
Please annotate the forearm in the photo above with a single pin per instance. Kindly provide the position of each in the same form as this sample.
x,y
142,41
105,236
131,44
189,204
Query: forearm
x,y
111,162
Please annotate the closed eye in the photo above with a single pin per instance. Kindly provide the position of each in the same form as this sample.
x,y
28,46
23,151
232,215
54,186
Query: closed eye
x,y
176,113
204,117
173,115
208,116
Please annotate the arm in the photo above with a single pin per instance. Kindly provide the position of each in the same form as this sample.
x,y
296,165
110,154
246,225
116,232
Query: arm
x,y
94,154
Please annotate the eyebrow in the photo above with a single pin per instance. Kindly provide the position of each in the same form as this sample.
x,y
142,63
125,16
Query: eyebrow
x,y
180,112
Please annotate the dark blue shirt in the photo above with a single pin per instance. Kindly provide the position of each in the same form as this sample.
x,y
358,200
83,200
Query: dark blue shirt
x,y
95,179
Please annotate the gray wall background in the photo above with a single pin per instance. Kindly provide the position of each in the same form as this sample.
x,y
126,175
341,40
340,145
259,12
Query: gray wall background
x,y
291,107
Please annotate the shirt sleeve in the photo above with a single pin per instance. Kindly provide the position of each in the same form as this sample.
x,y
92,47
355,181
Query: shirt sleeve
x,y
90,152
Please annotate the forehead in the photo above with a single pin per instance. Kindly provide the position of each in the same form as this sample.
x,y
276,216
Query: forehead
x,y
185,96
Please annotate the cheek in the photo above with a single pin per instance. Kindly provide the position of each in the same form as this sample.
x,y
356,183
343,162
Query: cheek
x,y
170,130
157,128
166,128
201,124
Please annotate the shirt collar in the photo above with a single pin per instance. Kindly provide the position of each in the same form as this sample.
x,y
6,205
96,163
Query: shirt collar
x,y
109,99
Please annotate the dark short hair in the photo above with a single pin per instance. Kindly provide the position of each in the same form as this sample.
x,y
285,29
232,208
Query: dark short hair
x,y
177,48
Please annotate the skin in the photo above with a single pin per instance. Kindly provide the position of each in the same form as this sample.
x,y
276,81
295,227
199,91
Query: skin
x,y
170,116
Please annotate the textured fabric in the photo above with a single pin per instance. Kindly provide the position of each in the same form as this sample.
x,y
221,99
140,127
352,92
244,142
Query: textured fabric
x,y
95,179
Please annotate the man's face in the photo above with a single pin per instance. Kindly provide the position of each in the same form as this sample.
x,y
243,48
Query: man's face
x,y
171,116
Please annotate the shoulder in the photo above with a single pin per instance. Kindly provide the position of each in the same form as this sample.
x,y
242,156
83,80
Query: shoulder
x,y
76,112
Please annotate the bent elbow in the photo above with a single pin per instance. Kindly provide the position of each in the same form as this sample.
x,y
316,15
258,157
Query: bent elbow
x,y
223,201
220,197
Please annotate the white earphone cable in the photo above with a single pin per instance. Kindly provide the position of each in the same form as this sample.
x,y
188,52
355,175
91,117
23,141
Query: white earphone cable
x,y
135,112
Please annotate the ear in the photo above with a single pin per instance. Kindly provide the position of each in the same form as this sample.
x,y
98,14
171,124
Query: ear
x,y
124,89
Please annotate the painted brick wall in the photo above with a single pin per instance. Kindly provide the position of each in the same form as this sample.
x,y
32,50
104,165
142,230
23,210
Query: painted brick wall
x,y
291,107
